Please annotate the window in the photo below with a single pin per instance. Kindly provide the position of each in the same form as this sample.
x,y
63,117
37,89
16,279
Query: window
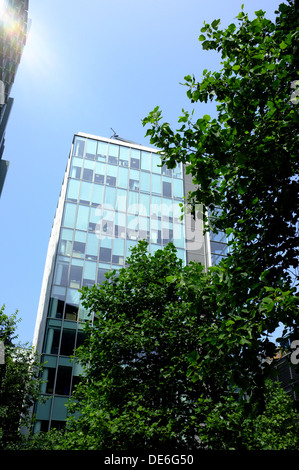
x,y
99,176
166,189
122,177
178,188
90,273
97,195
69,215
71,305
102,151
61,271
145,182
91,149
135,159
118,251
65,245
85,192
146,161
63,381
105,254
166,171
76,274
73,190
124,153
110,197
50,373
67,342
156,184
78,148
92,246
121,200
156,161
113,154
82,217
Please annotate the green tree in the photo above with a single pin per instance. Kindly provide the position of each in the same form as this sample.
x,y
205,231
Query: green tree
x,y
135,392
228,426
244,165
19,383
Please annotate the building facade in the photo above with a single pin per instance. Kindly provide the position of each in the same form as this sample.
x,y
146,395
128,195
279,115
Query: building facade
x,y
114,193
13,33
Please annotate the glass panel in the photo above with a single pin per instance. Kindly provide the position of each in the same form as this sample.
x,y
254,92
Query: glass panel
x,y
51,344
156,184
61,271
90,273
124,153
122,177
113,153
95,218
166,171
91,148
156,206
178,235
71,305
110,197
65,245
76,167
146,161
118,251
75,275
134,180
167,211
144,206
166,189
120,225
87,174
145,182
132,227
92,246
135,158
63,381
121,200
82,218
69,215
177,171
133,206
97,194
67,342
178,188
85,192
156,160
78,148
102,151
79,244
100,170
73,190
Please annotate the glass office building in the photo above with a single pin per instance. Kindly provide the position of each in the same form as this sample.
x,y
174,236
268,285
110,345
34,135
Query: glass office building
x,y
114,193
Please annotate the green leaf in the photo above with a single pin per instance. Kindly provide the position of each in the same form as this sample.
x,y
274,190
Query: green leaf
x,y
283,45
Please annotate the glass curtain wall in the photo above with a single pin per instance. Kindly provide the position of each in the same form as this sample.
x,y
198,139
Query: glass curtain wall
x,y
116,195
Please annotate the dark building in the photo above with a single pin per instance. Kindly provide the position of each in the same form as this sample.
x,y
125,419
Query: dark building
x,y
13,33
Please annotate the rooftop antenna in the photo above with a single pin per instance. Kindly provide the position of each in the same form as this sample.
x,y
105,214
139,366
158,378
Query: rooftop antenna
x,y
116,136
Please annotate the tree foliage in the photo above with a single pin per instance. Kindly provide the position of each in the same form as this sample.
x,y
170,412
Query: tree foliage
x,y
244,165
19,383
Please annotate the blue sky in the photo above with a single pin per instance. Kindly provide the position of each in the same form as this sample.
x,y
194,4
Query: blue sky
x,y
89,66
